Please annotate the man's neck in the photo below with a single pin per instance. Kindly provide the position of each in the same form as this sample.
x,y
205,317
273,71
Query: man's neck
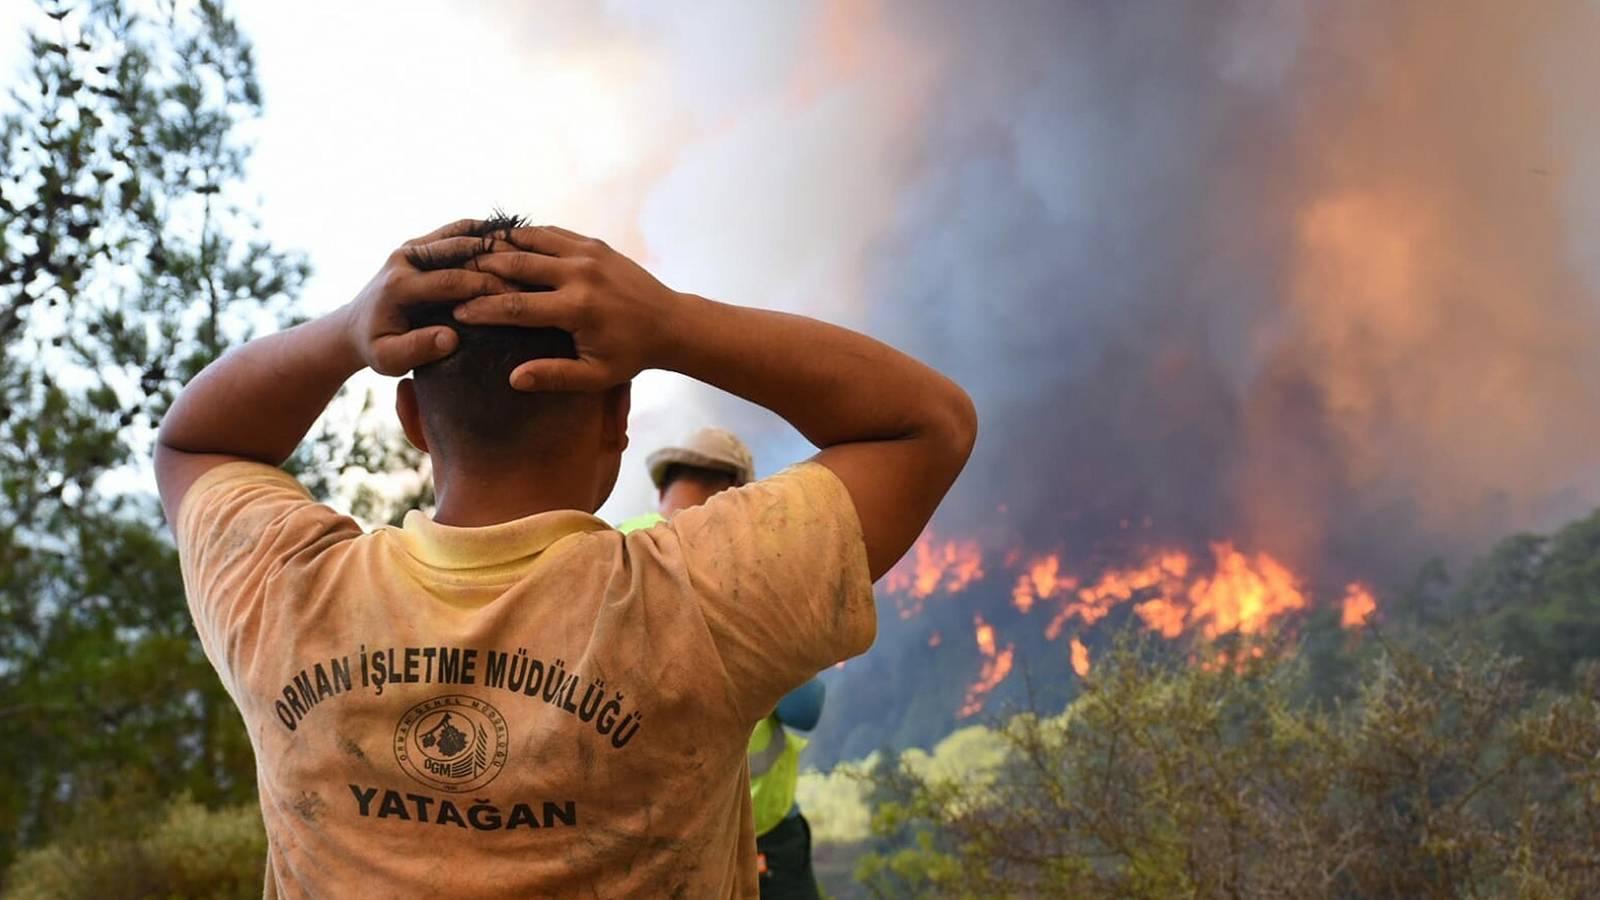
x,y
478,496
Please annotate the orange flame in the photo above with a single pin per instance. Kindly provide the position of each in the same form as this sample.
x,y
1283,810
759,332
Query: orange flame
x,y
985,636
1041,581
1117,586
996,666
1170,593
1359,605
1080,657
950,566
1243,596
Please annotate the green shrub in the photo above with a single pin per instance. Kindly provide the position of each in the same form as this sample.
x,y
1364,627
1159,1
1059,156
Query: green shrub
x,y
190,854
1445,776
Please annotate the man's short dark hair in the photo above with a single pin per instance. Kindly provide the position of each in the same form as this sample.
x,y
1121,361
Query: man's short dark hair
x,y
468,394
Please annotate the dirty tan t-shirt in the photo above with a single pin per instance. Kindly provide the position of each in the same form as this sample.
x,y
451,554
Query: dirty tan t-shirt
x,y
541,708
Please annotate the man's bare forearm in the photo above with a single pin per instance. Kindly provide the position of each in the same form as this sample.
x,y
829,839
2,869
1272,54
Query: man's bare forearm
x,y
895,432
833,385
258,401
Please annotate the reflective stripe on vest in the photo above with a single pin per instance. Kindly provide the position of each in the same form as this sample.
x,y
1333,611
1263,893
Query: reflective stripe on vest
x,y
761,763
774,758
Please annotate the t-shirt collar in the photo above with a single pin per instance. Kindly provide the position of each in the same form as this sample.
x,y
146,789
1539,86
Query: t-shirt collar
x,y
455,547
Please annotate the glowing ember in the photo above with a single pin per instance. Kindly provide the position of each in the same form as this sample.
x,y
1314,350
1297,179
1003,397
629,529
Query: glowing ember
x,y
1224,661
996,666
1359,605
1080,657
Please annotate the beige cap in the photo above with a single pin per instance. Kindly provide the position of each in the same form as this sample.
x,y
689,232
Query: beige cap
x,y
708,448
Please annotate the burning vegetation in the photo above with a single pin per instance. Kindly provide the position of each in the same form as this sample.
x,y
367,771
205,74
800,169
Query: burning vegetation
x,y
1224,592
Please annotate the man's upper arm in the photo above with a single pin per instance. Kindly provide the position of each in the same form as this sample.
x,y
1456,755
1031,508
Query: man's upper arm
x,y
236,523
780,573
177,471
896,486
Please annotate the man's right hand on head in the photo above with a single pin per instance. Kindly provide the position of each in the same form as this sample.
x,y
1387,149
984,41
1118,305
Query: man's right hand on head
x,y
256,403
618,314
377,328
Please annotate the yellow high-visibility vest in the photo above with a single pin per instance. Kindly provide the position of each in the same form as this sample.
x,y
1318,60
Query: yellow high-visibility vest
x,y
640,522
774,772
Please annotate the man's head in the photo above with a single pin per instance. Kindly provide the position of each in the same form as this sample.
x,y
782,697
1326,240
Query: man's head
x,y
709,462
463,411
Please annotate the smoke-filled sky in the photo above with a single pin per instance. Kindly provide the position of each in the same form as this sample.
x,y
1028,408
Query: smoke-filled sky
x,y
1321,279
1318,277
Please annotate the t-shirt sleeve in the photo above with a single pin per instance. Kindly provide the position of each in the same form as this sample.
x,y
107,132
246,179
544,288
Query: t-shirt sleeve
x,y
780,571
238,525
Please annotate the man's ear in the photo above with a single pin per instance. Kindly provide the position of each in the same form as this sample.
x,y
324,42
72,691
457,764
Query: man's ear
x,y
618,400
405,406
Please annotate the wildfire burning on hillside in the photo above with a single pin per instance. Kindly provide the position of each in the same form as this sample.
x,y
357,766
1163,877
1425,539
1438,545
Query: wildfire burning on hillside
x,y
1170,592
1308,302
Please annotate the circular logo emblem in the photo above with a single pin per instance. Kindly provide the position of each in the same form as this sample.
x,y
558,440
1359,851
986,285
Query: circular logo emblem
x,y
452,743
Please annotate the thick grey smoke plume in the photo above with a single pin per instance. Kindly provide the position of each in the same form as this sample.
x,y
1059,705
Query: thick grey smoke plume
x,y
1305,277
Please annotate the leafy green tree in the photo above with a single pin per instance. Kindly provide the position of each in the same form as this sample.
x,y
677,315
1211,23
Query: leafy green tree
x,y
1535,596
125,266
1539,598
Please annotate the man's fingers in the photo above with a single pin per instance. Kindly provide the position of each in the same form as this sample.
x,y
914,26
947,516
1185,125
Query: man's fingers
x,y
569,234
551,239
454,229
526,268
529,309
451,284
559,375
397,354
450,252
547,239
